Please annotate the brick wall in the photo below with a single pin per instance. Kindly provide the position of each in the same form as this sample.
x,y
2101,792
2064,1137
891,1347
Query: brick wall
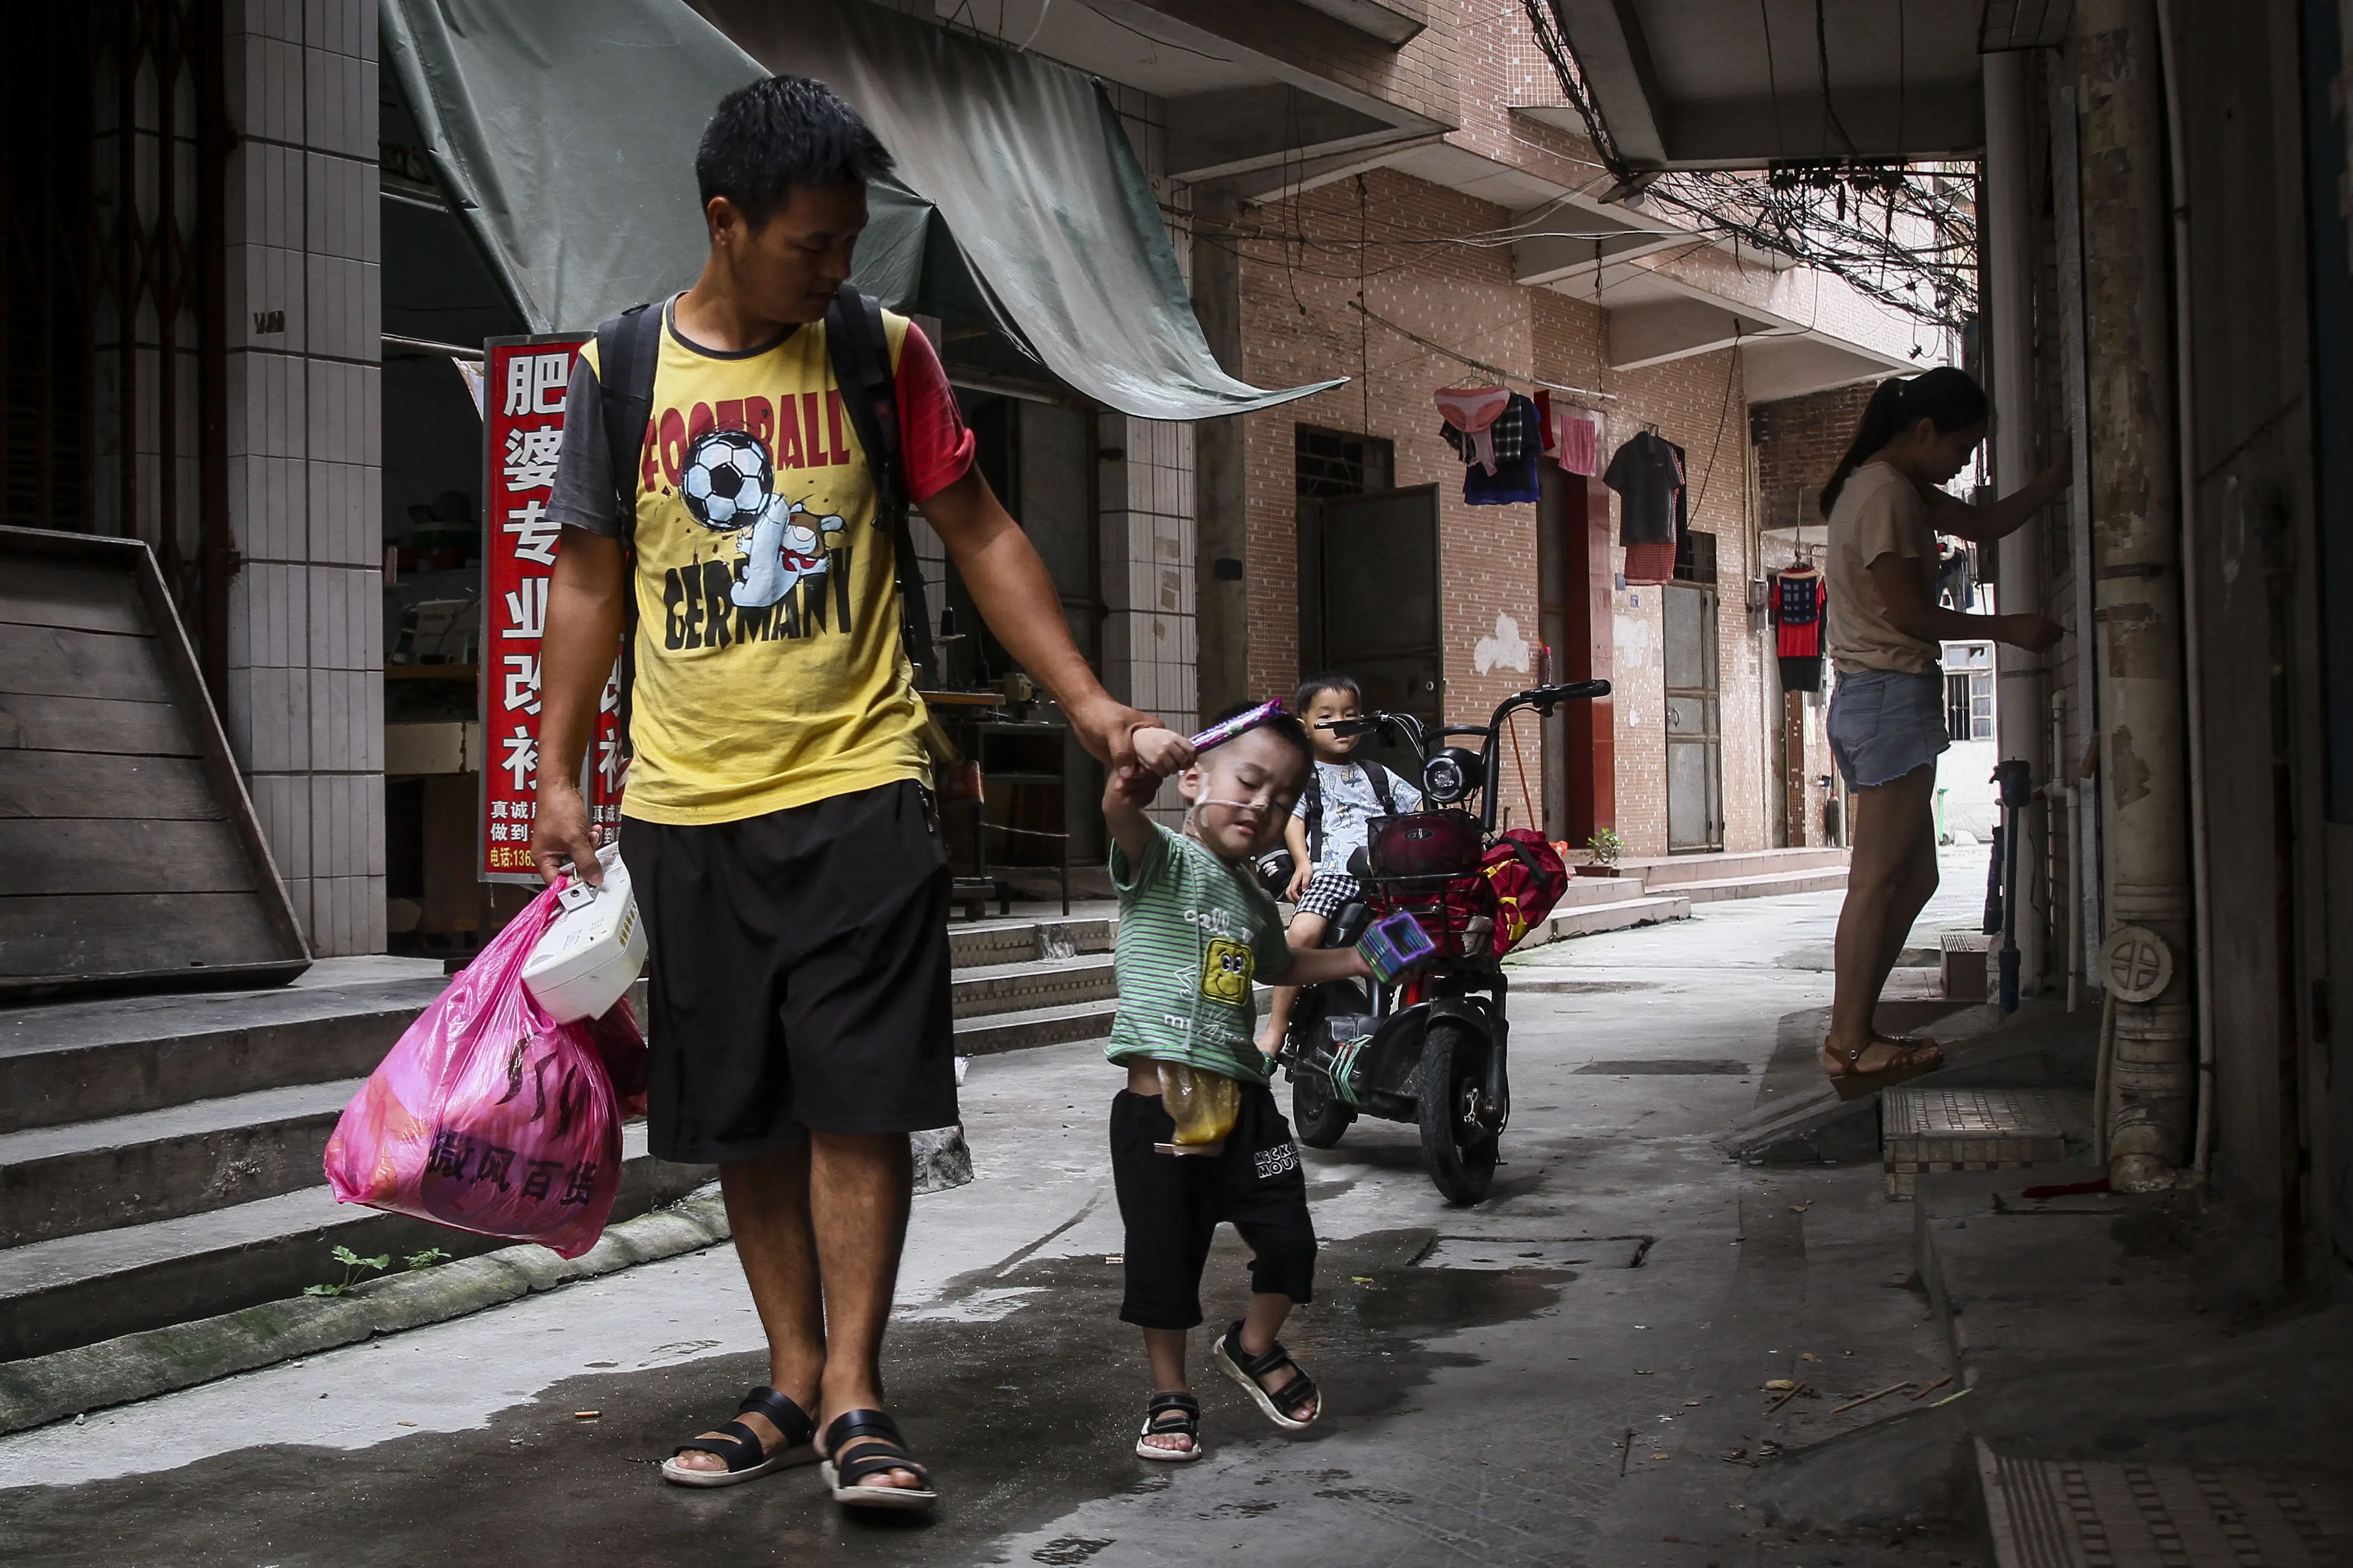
x,y
1303,266
1800,439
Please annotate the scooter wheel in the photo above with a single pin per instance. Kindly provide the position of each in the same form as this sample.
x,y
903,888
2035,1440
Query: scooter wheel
x,y
1317,1117
1461,1150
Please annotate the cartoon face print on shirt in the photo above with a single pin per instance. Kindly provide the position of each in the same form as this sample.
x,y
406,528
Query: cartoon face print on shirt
x,y
1225,971
729,484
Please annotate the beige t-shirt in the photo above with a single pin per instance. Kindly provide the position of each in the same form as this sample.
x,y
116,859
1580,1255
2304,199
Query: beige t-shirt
x,y
1878,513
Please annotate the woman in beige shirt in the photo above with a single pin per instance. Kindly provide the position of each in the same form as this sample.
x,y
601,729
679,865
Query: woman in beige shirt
x,y
1885,634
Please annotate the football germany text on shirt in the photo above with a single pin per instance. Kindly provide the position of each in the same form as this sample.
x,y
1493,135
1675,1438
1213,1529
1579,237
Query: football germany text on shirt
x,y
769,669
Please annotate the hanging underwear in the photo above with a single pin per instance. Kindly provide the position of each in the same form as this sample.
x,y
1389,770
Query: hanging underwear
x,y
1473,410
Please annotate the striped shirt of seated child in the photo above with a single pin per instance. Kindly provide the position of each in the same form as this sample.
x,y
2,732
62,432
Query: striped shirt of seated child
x,y
1196,1139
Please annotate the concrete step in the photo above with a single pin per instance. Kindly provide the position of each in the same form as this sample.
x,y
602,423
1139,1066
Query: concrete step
x,y
1012,988
1594,919
1926,1131
1664,870
1583,890
82,1061
78,1290
76,1061
163,1164
1035,1026
1803,1117
1770,884
204,1155
1591,919
1024,940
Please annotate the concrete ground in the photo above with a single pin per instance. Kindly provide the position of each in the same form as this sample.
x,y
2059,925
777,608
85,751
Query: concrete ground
x,y
1571,1372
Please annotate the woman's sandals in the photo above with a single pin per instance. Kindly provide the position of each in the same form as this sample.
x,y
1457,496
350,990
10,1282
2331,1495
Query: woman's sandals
x,y
741,1451
1910,1058
1171,1416
880,1450
1283,1406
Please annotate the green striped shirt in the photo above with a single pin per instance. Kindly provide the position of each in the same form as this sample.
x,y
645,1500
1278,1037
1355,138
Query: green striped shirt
x,y
1192,934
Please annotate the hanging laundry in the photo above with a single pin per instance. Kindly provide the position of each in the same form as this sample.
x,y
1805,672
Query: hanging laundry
x,y
1797,604
1516,439
1683,493
1571,435
1956,578
1649,564
1646,473
1471,413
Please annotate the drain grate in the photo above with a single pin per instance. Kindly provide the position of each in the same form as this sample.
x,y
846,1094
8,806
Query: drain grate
x,y
2068,1515
1488,1252
1673,1067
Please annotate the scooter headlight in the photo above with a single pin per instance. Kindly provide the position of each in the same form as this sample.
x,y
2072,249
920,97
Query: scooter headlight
x,y
1451,774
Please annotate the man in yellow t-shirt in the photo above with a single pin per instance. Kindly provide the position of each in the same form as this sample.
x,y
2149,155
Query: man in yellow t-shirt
x,y
777,823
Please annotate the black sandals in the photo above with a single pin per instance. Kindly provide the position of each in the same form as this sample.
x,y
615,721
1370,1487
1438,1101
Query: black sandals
x,y
1286,1404
880,1450
1171,1416
741,1451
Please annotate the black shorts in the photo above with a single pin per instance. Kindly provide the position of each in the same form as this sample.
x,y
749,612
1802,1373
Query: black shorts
x,y
1172,1204
799,973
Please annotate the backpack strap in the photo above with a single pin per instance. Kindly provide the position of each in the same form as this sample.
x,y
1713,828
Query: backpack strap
x,y
1315,796
1380,778
861,350
627,349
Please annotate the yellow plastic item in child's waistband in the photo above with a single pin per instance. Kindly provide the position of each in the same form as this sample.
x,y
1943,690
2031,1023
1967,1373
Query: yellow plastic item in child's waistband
x,y
1204,1105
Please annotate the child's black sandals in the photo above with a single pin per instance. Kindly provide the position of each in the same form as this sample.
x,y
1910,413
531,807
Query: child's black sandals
x,y
1171,1416
1293,1406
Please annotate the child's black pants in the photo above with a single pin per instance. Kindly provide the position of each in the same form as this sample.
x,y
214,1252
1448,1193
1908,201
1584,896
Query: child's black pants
x,y
1172,1204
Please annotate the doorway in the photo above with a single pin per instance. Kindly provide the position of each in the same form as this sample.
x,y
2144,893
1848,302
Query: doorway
x,y
1574,590
1374,591
1695,749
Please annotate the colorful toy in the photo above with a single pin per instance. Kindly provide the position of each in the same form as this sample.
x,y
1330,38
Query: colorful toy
x,y
1218,734
1395,944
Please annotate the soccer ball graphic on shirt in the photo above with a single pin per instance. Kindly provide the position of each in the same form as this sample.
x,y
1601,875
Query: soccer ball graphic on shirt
x,y
727,481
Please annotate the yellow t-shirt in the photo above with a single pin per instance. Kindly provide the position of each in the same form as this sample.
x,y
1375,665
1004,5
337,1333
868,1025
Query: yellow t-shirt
x,y
1880,512
770,672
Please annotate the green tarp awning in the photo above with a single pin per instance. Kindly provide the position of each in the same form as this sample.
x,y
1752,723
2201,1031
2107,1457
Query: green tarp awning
x,y
566,136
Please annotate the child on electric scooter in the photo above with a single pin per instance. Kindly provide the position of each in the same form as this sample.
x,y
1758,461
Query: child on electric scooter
x,y
1329,823
1196,1138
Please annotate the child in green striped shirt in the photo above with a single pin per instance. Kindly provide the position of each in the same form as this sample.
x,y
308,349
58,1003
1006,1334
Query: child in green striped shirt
x,y
1195,929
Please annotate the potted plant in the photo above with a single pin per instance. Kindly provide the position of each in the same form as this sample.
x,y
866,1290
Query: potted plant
x,y
1604,848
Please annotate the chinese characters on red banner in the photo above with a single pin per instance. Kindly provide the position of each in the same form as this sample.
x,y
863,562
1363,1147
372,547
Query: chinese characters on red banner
x,y
523,383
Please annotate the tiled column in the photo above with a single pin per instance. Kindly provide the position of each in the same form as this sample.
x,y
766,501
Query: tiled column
x,y
1147,549
306,689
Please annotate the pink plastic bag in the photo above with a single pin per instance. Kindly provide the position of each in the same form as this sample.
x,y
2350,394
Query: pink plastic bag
x,y
487,1116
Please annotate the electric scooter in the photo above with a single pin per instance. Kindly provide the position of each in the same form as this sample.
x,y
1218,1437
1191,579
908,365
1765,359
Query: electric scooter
x,y
1433,1049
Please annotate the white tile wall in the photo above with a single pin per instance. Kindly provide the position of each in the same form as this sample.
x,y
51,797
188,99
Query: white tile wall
x,y
306,698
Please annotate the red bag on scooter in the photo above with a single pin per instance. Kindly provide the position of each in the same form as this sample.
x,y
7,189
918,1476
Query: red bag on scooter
x,y
1528,877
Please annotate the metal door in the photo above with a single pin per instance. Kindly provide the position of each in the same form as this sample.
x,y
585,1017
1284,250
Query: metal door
x,y
1694,751
1378,555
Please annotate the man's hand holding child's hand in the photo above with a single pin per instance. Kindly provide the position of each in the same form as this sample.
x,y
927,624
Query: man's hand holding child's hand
x,y
1163,751
1158,754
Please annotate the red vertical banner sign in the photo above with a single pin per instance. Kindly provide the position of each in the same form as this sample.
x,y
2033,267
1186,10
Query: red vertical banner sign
x,y
524,384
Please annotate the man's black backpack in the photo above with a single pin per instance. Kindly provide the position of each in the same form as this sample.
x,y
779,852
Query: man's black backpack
x,y
628,347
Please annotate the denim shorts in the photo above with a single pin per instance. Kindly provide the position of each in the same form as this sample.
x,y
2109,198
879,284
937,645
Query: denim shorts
x,y
1886,722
